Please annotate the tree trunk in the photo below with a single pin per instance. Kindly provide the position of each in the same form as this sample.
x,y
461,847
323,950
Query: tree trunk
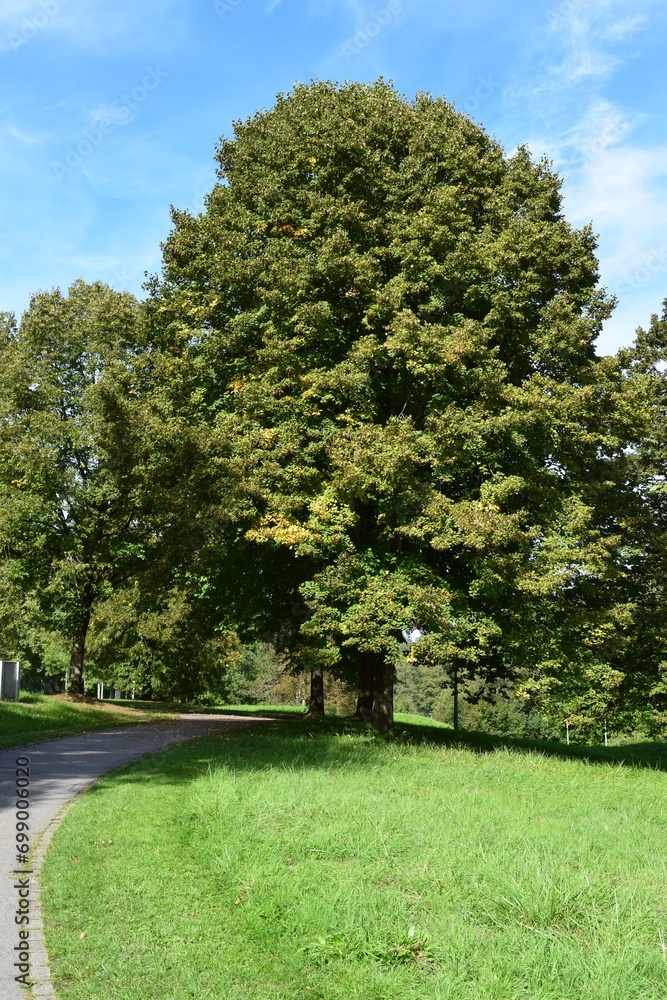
x,y
75,683
456,697
383,696
364,709
316,709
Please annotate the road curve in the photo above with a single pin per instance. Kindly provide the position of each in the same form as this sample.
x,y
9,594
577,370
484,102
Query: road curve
x,y
58,770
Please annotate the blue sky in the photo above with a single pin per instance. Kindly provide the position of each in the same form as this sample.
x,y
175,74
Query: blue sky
x,y
110,111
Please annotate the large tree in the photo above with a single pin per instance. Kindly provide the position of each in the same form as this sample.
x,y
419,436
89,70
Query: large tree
x,y
390,330
75,519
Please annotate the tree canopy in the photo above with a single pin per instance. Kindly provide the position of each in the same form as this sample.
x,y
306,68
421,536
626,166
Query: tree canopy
x,y
74,519
362,398
389,329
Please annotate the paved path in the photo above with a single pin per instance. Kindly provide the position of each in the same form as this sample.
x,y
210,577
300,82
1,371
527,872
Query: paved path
x,y
59,770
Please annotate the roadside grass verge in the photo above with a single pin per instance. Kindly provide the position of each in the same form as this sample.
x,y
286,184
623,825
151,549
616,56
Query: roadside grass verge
x,y
280,711
44,717
312,859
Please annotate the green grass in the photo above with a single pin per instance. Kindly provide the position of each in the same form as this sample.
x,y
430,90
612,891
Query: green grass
x,y
297,859
43,717
262,709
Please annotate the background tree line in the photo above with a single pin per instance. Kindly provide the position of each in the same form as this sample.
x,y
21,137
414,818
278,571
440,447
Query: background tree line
x,y
362,398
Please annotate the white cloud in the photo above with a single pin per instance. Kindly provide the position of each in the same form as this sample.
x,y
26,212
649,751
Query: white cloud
x,y
23,20
616,184
620,30
13,11
620,187
92,24
26,137
602,126
561,94
622,191
118,112
578,44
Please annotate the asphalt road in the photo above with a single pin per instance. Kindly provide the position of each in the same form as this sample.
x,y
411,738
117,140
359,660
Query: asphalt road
x,y
58,770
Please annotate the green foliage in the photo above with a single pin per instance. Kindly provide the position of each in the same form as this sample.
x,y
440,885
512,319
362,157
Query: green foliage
x,y
363,397
74,504
151,636
97,520
45,665
259,669
427,689
384,329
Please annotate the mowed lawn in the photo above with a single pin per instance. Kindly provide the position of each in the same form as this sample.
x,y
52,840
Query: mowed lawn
x,y
44,717
298,859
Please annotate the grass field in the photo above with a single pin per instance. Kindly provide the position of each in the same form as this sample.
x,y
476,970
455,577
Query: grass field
x,y
43,717
302,859
260,709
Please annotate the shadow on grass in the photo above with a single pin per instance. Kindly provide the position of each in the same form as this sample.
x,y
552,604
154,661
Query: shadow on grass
x,y
305,744
649,753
